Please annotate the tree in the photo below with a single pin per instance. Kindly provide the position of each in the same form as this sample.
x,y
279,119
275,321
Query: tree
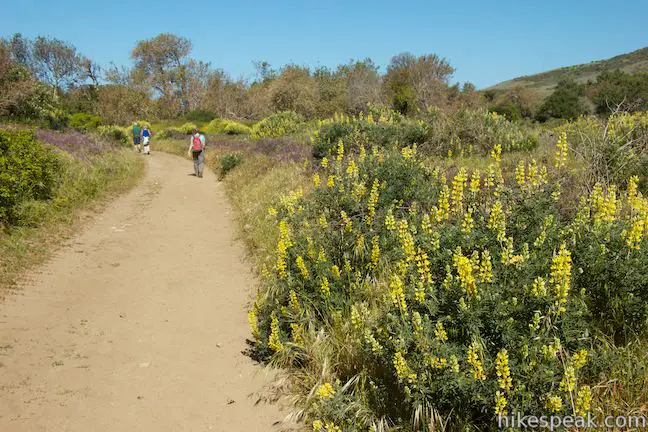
x,y
363,85
163,63
515,103
418,82
331,88
224,96
56,62
564,102
620,89
294,90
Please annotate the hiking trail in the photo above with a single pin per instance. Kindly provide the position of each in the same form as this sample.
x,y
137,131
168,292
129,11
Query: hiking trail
x,y
138,323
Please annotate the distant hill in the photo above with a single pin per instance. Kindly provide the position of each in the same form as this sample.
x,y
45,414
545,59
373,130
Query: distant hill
x,y
544,83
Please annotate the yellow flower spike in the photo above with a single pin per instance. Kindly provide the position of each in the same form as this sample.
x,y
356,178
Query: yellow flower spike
x,y
272,211
316,180
465,273
402,369
373,200
520,175
330,183
417,322
485,267
568,382
325,289
560,157
475,362
497,221
294,302
397,292
274,343
554,403
560,277
440,332
579,359
390,221
340,150
458,184
583,401
301,265
467,224
325,163
296,334
336,271
500,404
375,251
317,425
496,153
348,224
475,181
322,221
254,325
503,372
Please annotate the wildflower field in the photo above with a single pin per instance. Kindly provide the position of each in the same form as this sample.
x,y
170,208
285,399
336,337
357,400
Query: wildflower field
x,y
405,290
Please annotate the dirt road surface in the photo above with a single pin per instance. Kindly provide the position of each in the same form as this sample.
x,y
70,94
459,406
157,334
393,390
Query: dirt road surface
x,y
139,322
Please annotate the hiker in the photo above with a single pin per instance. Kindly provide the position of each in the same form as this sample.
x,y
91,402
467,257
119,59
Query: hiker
x,y
197,150
146,137
137,132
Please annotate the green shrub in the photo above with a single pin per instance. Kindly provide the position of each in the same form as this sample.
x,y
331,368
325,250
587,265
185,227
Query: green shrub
x,y
187,128
84,121
28,171
400,299
276,125
200,115
228,162
228,127
117,133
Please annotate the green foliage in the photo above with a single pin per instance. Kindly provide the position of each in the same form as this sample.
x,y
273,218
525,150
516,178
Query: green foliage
x,y
84,121
564,102
276,125
228,127
228,162
200,115
187,128
466,132
399,299
121,134
28,171
619,89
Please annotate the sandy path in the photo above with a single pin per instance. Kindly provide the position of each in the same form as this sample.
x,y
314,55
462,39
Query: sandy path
x,y
137,324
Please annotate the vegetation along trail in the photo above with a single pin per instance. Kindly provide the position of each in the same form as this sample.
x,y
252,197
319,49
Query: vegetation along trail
x,y
139,323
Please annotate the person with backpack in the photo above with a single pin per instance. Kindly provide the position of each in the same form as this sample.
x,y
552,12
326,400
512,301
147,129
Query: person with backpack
x,y
197,150
146,137
137,132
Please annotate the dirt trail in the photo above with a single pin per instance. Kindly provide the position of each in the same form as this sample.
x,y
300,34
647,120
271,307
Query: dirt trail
x,y
138,323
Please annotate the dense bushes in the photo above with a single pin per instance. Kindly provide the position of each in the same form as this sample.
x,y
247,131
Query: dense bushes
x,y
117,133
200,115
27,172
227,127
276,125
403,300
463,133
84,121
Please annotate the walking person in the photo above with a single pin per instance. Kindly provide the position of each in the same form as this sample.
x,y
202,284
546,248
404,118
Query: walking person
x,y
146,137
197,150
137,134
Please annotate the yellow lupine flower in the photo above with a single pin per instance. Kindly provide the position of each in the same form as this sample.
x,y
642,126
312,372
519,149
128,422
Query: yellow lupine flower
x,y
583,400
324,162
503,371
340,150
317,425
554,403
475,362
301,265
423,266
375,251
417,322
457,190
561,151
500,403
407,241
443,212
274,343
296,333
397,292
426,224
485,267
336,271
568,382
496,153
325,289
560,276
373,200
402,369
538,287
475,180
316,179
348,224
252,320
467,224
440,333
376,348
520,176
465,273
497,220
330,183
294,302
325,390
579,358
390,221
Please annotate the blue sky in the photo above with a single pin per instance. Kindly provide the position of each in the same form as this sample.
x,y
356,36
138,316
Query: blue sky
x,y
486,41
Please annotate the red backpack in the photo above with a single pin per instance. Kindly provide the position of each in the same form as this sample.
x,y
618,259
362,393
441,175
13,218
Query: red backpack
x,y
197,143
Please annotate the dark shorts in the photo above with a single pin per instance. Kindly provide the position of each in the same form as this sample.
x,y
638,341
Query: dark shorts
x,y
136,140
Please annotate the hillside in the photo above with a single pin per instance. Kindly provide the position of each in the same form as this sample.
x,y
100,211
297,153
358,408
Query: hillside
x,y
543,83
